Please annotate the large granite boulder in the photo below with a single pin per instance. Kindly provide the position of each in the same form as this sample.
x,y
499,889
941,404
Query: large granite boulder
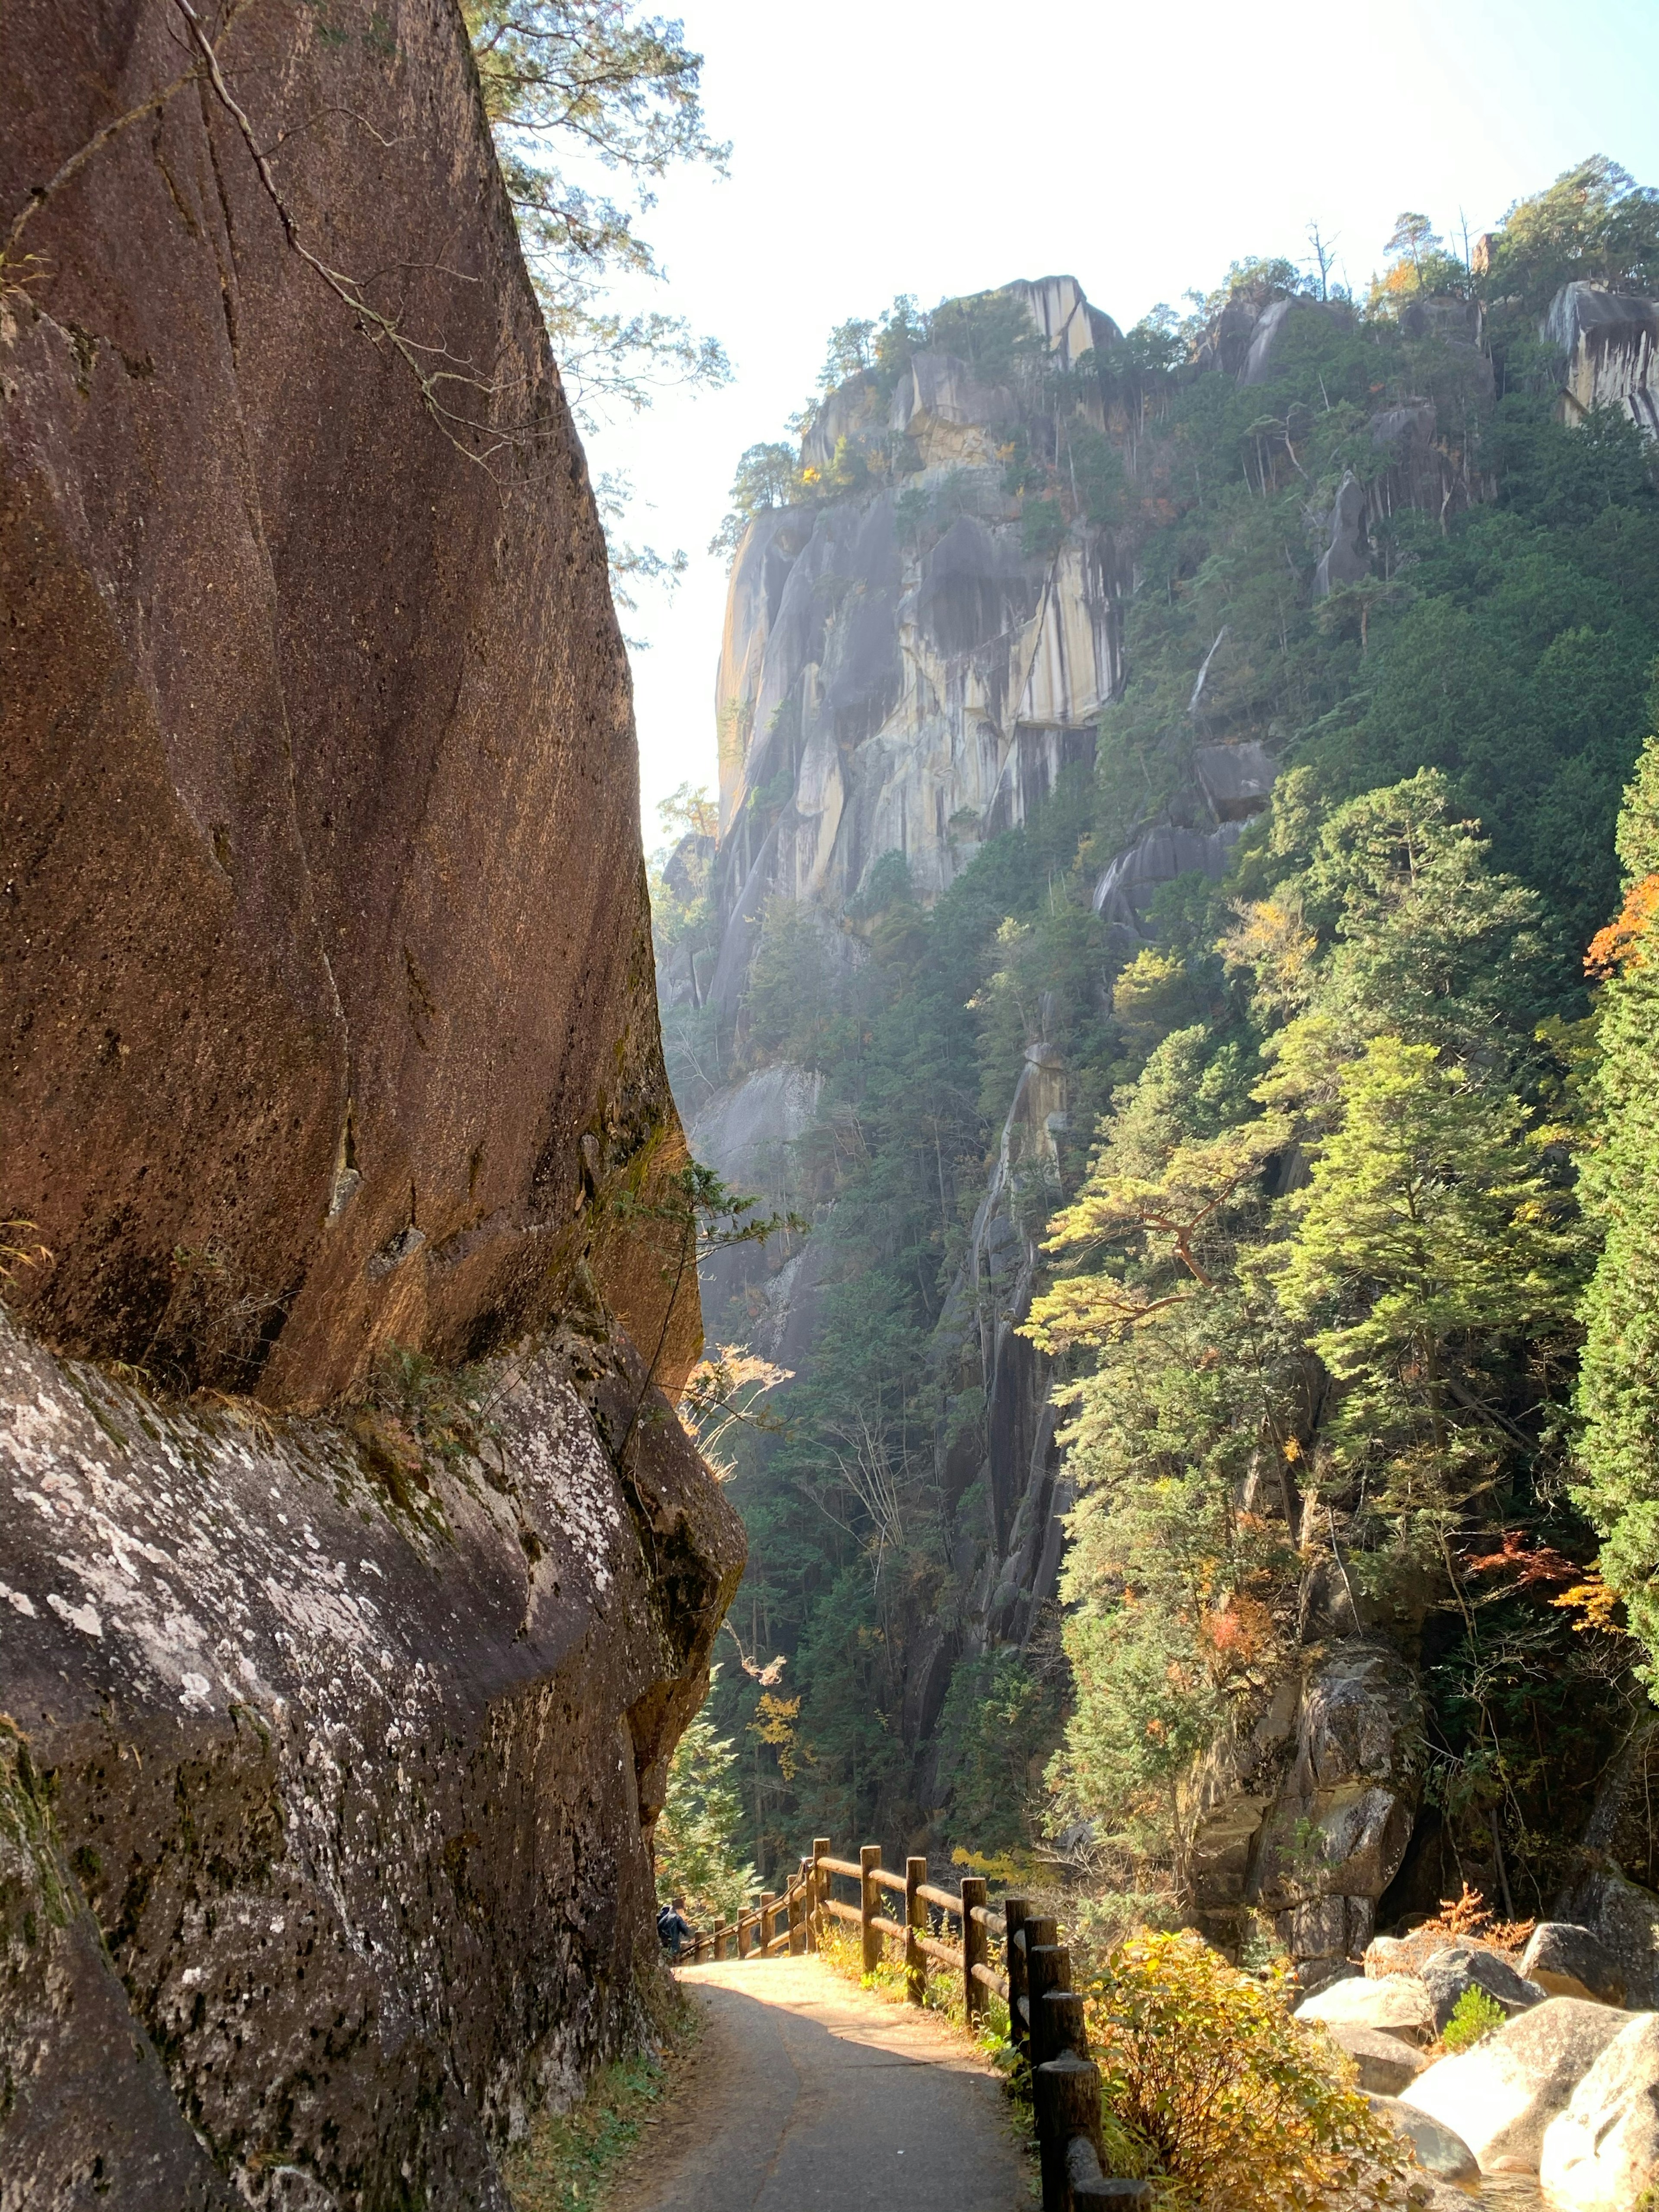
x,y
326,942
1387,2065
325,1818
1602,2153
1463,1967
1439,2149
1502,2094
1400,2006
1624,1917
1571,1962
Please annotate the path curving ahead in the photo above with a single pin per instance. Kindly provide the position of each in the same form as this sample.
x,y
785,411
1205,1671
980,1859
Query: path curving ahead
x,y
810,2095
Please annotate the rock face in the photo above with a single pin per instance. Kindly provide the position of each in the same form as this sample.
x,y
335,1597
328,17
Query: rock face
x,y
324,1820
1388,2063
1501,2095
330,1758
1439,2149
898,674
325,942
1601,2154
1571,1962
1608,343
1462,1968
1306,1813
1400,2006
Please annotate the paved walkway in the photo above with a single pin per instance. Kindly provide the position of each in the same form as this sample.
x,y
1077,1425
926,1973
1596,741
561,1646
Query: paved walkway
x,y
810,2095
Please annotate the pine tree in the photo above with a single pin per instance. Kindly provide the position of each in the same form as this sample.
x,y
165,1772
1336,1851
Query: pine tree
x,y
1619,1378
696,1834
1426,1242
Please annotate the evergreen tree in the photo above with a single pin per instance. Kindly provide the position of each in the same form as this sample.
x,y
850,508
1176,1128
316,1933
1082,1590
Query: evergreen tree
x,y
1426,1246
1618,1388
697,1834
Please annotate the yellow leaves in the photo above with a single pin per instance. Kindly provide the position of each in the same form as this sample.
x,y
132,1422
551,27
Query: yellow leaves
x,y
1594,1601
1152,996
1274,944
774,1723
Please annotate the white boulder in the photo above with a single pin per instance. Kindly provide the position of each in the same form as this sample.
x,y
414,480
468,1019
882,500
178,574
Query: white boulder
x,y
1387,2064
1439,2149
1501,2095
1602,2153
1399,2005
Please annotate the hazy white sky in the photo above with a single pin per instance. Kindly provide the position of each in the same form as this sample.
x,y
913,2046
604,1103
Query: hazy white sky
x,y
884,146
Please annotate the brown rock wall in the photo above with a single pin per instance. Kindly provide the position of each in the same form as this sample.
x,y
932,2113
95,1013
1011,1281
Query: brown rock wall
x,y
320,864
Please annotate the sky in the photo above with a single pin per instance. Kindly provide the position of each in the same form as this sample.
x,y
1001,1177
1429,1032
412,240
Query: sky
x,y
884,146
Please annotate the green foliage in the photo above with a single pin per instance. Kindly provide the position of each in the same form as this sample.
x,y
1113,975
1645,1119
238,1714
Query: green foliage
x,y
566,2160
997,1709
1314,1244
1426,1246
767,475
1207,2080
1475,2016
565,81
1618,1385
696,1845
1594,225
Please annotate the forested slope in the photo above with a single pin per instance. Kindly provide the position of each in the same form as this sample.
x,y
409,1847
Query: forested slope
x,y
1207,1125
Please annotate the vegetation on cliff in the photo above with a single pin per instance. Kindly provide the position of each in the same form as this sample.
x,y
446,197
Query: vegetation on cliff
x,y
1344,1135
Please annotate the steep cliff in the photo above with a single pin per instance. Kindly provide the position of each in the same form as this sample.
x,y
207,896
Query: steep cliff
x,y
357,1577
326,943
903,672
1100,604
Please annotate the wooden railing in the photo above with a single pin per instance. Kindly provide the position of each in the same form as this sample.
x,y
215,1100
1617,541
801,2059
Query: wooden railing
x,y
1045,2013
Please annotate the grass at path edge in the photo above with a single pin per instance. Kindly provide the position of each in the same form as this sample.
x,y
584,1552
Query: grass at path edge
x,y
569,2161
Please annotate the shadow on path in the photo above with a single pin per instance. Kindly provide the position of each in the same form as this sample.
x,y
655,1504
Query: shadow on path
x,y
811,2096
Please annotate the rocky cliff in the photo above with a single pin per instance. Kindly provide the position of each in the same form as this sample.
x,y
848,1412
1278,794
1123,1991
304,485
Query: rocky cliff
x,y
325,944
902,671
335,1731
907,667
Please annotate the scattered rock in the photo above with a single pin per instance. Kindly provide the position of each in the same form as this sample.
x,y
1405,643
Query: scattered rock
x,y
1390,1954
1388,2063
1569,1961
1625,1916
1399,2006
1602,2153
1450,1972
1504,2092
1439,2149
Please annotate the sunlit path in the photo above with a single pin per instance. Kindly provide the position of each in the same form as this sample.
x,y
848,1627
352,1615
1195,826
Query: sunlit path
x,y
812,2093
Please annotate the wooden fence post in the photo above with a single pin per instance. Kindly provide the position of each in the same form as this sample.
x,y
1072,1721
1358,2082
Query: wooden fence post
x,y
818,1893
976,1948
869,1905
796,1922
1047,1966
768,1927
916,1921
1014,1910
1065,2098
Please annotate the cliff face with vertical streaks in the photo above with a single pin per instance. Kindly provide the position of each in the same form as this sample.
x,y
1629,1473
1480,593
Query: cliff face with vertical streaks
x,y
332,1733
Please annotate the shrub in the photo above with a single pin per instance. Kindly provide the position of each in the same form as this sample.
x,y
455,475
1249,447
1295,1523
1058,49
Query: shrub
x,y
1475,2016
1208,2078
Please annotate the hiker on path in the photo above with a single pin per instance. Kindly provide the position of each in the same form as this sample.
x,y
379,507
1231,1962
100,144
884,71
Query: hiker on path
x,y
674,1931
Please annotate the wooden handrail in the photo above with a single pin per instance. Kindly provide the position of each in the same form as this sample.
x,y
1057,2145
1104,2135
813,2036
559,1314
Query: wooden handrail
x,y
942,1897
1046,2020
